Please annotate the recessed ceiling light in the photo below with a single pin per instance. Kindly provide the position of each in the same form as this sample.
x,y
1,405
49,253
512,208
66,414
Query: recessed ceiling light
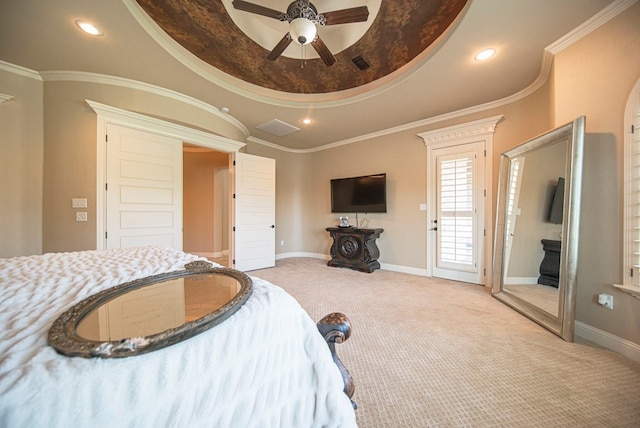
x,y
484,54
88,27
306,121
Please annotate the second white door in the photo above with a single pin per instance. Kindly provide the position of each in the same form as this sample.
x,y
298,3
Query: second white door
x,y
255,214
456,227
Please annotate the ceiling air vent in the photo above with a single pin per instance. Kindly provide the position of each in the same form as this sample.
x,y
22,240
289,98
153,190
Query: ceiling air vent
x,y
277,127
361,63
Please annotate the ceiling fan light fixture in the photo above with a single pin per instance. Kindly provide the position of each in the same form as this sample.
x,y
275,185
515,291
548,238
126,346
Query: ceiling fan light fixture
x,y
302,31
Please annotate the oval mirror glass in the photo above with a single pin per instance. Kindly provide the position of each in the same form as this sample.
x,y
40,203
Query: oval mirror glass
x,y
150,313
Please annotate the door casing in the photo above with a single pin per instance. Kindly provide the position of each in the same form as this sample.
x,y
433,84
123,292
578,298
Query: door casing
x,y
479,130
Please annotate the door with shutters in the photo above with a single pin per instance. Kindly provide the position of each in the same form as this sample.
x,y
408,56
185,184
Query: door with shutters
x,y
143,189
254,212
457,199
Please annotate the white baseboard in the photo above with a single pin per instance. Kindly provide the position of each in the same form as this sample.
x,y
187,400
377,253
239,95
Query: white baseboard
x,y
404,269
310,255
384,266
621,346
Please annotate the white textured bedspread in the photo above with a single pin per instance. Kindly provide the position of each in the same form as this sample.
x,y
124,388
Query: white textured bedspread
x,y
266,366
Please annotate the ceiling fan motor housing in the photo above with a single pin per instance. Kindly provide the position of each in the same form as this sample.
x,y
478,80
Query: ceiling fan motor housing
x,y
304,9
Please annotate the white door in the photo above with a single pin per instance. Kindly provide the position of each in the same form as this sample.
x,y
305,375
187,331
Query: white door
x,y
254,212
457,213
143,189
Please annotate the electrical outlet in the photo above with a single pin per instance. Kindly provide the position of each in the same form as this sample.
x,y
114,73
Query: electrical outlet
x,y
79,203
81,216
605,300
282,243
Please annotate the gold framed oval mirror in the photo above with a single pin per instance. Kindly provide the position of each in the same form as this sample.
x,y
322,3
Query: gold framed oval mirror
x,y
537,224
150,313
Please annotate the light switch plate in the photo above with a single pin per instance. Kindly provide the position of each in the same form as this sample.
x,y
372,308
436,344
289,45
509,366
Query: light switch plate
x,y
423,207
79,203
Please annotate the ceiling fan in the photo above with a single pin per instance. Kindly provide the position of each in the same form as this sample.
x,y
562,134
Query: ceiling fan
x,y
303,17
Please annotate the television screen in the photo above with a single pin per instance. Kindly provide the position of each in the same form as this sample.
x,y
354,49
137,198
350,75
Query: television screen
x,y
367,194
555,211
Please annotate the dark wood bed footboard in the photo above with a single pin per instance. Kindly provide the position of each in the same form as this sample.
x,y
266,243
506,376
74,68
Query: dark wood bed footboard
x,y
336,328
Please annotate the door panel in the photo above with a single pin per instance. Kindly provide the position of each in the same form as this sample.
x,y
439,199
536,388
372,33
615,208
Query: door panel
x,y
143,190
254,212
457,215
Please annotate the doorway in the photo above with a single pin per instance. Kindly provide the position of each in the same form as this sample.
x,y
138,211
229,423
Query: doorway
x,y
457,212
206,203
459,196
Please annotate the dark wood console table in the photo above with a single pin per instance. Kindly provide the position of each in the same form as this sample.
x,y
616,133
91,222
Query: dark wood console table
x,y
354,248
550,265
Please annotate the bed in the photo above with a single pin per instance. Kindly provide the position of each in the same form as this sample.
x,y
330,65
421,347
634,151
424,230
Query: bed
x,y
265,366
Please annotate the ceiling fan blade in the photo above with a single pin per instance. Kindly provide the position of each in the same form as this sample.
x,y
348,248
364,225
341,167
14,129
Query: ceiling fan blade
x,y
323,51
345,16
280,47
257,9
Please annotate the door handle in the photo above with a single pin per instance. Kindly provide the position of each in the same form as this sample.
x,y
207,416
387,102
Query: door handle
x,y
434,228
273,226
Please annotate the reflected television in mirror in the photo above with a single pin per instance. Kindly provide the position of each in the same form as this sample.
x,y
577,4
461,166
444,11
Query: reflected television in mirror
x,y
555,212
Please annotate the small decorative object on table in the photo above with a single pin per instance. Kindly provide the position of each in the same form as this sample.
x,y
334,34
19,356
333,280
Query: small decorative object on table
x,y
344,222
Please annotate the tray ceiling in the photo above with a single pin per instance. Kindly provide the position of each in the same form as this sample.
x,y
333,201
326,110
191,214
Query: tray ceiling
x,y
401,31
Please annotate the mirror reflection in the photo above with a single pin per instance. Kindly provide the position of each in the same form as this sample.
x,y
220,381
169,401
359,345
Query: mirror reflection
x,y
158,307
150,313
537,224
534,226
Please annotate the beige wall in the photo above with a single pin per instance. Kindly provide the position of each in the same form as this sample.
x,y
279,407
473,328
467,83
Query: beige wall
x,y
202,211
594,77
294,191
21,163
403,157
70,132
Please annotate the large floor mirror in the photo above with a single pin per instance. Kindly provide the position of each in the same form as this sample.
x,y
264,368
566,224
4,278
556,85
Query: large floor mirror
x,y
537,225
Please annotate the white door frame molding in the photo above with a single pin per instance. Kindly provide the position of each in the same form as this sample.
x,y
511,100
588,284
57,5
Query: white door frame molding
x,y
112,115
479,130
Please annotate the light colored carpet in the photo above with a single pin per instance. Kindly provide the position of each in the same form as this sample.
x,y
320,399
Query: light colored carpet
x,y
426,352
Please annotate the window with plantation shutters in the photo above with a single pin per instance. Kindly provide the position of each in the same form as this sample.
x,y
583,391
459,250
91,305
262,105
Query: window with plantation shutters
x,y
456,204
631,278
632,202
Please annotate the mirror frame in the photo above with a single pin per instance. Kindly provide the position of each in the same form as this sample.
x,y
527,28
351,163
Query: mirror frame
x,y
563,323
64,338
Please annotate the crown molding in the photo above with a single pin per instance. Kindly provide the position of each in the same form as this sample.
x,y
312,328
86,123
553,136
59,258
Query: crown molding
x,y
125,117
456,132
20,71
75,76
103,79
605,15
608,13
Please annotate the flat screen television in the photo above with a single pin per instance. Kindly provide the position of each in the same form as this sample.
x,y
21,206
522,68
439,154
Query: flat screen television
x,y
555,211
366,194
